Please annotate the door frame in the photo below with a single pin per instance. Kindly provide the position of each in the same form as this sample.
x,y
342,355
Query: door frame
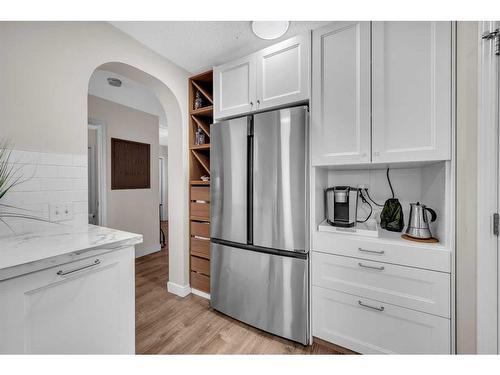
x,y
488,183
101,169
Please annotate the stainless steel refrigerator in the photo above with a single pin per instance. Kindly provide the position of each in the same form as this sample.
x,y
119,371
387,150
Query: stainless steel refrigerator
x,y
259,243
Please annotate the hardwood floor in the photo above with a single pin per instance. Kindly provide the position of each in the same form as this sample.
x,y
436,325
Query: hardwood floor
x,y
168,324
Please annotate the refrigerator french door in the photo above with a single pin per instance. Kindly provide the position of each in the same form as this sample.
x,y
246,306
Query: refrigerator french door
x,y
259,244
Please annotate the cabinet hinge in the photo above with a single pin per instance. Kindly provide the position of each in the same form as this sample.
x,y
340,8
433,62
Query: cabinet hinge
x,y
495,35
496,219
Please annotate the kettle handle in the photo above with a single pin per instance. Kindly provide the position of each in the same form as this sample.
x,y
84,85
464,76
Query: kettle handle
x,y
433,214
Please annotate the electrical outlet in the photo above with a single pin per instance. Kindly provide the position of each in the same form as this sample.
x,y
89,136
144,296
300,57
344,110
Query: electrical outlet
x,y
61,212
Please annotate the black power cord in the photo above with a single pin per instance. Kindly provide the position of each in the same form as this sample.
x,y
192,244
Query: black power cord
x,y
363,199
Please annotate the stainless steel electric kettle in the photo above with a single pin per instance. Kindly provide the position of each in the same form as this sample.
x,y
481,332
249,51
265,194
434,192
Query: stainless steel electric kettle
x,y
418,225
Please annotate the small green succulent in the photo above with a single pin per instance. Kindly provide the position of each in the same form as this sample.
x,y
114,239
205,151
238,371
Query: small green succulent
x,y
10,176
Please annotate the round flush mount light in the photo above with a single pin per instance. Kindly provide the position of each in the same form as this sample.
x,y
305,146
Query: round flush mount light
x,y
114,82
270,29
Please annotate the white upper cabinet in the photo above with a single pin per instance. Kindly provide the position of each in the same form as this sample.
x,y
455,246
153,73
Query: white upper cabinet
x,y
283,72
234,87
411,91
273,77
340,127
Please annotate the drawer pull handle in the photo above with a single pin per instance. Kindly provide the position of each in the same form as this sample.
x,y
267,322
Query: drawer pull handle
x,y
381,308
381,268
380,252
63,273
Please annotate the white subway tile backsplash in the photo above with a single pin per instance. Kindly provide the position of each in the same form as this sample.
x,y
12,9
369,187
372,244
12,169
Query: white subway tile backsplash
x,y
80,207
55,159
80,184
24,157
47,171
80,160
50,178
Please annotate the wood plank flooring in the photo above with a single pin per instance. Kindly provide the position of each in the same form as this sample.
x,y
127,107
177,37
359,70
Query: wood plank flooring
x,y
168,324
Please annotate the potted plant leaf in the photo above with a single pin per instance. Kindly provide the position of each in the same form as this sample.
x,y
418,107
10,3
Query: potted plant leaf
x,y
11,176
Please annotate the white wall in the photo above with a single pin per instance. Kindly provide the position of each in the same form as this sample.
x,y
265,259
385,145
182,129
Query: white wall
x,y
45,68
132,210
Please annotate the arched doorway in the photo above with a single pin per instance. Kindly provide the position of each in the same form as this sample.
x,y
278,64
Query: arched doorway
x,y
177,175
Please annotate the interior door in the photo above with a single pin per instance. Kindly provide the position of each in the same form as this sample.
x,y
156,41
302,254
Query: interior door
x,y
340,128
234,87
283,72
279,179
228,171
93,205
411,91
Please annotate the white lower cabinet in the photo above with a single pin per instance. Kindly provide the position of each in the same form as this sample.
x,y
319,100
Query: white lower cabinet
x,y
371,327
413,288
83,307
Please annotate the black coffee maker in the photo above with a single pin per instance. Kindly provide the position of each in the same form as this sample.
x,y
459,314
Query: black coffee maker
x,y
341,206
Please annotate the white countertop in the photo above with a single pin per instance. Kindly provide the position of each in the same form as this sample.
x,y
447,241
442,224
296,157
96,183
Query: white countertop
x,y
29,252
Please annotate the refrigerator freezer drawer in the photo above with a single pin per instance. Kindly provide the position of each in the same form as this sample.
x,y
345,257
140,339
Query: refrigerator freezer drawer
x,y
267,291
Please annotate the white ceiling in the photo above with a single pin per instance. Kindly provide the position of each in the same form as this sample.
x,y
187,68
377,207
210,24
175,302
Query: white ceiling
x,y
199,45
131,94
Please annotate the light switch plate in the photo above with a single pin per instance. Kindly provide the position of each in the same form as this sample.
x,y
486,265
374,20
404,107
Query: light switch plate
x,y
61,212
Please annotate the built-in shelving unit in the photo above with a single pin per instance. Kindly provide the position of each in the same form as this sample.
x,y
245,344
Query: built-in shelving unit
x,y
199,190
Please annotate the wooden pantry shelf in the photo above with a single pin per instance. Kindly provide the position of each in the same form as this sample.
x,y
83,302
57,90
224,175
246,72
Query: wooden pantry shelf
x,y
204,126
199,190
199,182
203,111
204,92
205,146
204,160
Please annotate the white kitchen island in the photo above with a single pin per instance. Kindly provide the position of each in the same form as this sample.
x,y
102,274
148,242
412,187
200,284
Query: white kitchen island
x,y
68,290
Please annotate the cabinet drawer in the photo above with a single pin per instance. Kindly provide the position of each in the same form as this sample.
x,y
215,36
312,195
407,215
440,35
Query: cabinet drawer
x,y
201,210
200,193
433,257
368,326
200,229
200,265
200,248
200,282
422,290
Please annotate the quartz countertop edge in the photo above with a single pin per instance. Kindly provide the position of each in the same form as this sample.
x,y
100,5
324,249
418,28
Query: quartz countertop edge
x,y
29,252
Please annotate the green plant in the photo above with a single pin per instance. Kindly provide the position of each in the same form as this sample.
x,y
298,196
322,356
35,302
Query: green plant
x,y
10,176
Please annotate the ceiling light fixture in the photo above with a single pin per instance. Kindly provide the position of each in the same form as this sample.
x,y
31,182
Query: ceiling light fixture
x,y
270,29
114,82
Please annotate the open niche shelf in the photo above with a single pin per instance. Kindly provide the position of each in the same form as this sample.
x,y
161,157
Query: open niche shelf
x,y
424,183
200,119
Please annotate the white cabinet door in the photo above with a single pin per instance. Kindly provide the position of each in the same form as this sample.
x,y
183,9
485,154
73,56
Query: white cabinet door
x,y
283,72
411,91
341,94
234,87
83,307
368,326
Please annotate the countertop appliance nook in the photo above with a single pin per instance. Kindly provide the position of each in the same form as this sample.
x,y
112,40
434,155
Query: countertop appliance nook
x,y
259,242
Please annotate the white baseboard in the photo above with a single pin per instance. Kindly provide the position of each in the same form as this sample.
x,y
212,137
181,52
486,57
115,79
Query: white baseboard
x,y
179,290
147,250
200,293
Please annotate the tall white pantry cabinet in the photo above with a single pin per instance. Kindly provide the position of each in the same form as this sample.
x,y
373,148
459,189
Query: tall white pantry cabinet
x,y
381,92
383,96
